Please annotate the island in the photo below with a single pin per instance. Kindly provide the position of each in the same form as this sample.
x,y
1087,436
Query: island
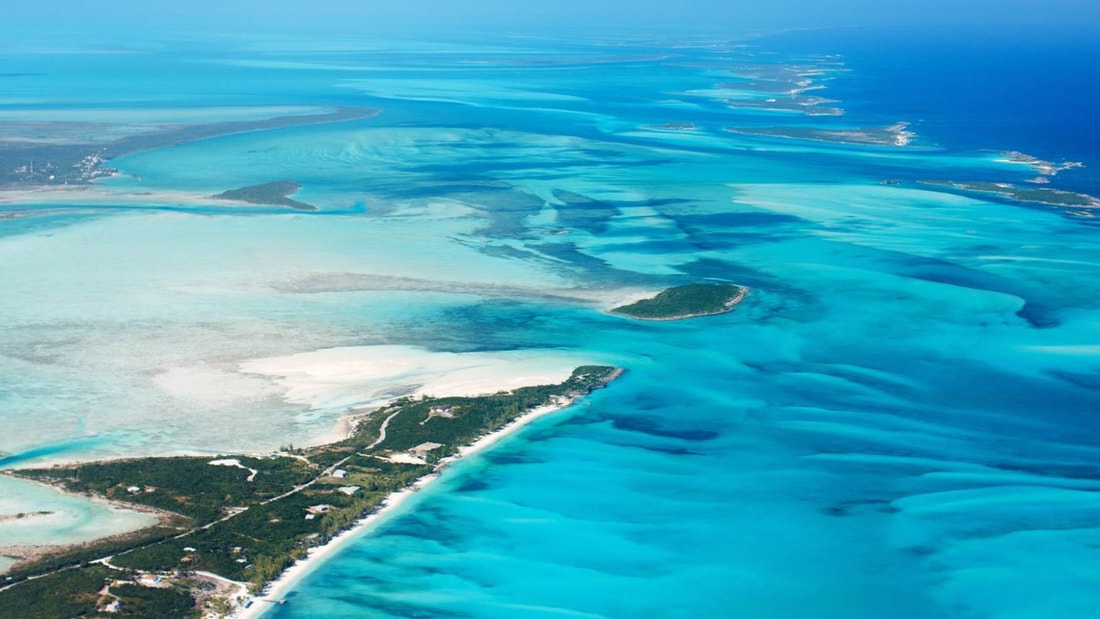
x,y
810,106
230,525
896,134
672,126
1038,195
784,88
1040,166
687,301
275,193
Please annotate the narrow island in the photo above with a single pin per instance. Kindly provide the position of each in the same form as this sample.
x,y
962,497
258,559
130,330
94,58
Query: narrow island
x,y
687,301
808,105
1036,195
672,126
893,135
275,193
231,525
1041,167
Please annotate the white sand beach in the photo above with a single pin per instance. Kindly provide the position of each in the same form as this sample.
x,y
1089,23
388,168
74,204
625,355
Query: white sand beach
x,y
255,606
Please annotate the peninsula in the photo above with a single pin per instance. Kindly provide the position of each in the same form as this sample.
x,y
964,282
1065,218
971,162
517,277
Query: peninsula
x,y
230,525
687,301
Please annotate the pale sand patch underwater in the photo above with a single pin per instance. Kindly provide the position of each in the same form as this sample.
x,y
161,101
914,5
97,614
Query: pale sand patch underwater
x,y
154,311
103,195
370,375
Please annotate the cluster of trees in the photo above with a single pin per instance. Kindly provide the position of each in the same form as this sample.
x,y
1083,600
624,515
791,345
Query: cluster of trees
x,y
138,601
71,593
476,416
83,554
183,485
687,300
276,193
257,544
75,593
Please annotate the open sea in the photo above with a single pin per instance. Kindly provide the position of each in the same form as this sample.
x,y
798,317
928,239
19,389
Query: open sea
x,y
902,420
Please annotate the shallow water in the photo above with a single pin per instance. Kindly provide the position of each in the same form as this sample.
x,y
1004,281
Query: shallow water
x,y
898,421
39,515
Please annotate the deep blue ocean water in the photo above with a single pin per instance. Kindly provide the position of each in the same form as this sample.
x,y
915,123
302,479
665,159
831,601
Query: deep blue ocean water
x,y
1012,88
900,421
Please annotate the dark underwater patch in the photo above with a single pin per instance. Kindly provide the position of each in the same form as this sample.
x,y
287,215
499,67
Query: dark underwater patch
x,y
582,212
670,451
651,427
423,524
472,485
515,457
1038,312
706,223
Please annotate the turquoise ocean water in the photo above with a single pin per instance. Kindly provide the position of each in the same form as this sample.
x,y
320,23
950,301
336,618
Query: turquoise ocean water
x,y
900,421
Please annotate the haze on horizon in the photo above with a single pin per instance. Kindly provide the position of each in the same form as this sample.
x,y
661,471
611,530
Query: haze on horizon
x,y
353,15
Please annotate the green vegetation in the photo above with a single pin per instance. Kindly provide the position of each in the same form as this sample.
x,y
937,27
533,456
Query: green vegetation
x,y
183,485
1038,195
90,592
1053,197
686,301
466,419
257,543
71,593
86,553
249,522
139,601
274,193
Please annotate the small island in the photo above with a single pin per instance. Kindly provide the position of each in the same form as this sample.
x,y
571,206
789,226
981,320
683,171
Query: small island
x,y
672,126
230,525
275,193
687,301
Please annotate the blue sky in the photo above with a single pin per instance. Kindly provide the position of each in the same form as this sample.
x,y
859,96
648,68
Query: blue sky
x,y
735,15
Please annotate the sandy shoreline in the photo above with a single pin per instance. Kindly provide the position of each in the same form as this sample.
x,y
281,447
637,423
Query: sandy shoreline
x,y
275,591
